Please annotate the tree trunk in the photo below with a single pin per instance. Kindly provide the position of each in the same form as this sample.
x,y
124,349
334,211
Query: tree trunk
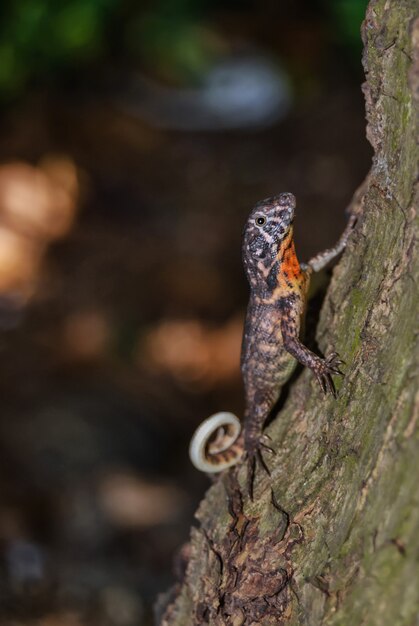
x,y
336,539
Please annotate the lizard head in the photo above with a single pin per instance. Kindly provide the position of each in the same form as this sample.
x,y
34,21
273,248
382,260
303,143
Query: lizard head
x,y
268,225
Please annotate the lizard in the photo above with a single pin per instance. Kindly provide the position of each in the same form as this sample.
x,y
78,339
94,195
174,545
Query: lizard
x,y
271,345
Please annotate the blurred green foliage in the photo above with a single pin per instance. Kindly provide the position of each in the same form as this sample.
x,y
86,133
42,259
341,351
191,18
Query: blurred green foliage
x,y
179,47
347,16
40,36
174,38
170,35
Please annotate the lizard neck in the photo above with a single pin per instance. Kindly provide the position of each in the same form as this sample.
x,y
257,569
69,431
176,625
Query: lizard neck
x,y
286,276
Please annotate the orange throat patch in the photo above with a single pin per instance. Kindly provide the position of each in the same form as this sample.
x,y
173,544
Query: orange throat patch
x,y
290,275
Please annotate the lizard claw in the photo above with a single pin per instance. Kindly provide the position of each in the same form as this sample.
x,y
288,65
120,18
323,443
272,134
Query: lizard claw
x,y
262,460
254,455
262,442
267,448
334,359
325,369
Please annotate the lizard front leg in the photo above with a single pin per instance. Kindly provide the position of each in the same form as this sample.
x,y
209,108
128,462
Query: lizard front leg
x,y
321,368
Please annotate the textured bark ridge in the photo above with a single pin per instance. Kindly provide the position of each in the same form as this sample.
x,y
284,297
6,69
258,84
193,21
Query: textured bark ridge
x,y
336,541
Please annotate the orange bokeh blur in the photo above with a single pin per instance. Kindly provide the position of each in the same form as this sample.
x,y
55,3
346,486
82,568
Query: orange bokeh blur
x,y
37,205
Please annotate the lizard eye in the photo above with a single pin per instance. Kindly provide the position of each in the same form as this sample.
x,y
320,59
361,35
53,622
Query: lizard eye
x,y
260,221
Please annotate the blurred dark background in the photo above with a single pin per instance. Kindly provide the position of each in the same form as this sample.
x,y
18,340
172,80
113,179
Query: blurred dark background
x,y
135,138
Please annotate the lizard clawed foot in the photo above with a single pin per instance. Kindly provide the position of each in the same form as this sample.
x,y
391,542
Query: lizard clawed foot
x,y
324,370
254,456
262,443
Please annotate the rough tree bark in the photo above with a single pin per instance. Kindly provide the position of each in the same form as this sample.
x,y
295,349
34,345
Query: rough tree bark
x,y
339,542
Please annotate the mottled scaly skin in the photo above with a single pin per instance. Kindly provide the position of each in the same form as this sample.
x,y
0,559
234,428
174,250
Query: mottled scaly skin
x,y
271,344
278,292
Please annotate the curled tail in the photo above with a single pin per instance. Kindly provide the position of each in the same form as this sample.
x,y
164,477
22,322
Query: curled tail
x,y
217,443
